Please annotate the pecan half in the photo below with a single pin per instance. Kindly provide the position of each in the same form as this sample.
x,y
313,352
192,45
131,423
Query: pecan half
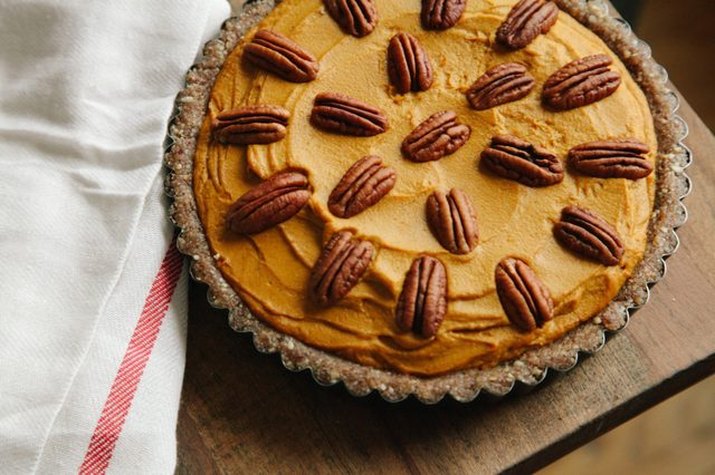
x,y
355,17
363,185
342,114
581,82
441,14
423,301
281,56
587,234
526,20
408,65
340,266
501,84
277,199
524,298
258,124
436,137
515,159
451,219
611,159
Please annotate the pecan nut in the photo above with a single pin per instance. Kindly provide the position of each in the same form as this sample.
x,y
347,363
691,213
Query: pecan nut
x,y
423,301
436,137
581,82
451,220
258,124
526,20
441,14
355,17
281,56
587,234
363,185
342,114
515,159
275,200
611,159
340,266
523,296
408,65
501,84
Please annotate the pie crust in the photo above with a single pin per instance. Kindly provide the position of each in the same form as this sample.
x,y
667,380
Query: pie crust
x,y
672,184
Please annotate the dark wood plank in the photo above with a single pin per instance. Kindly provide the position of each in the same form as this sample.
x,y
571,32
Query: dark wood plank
x,y
241,411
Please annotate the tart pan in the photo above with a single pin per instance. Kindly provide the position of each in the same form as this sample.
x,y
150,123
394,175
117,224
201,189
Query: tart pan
x,y
532,368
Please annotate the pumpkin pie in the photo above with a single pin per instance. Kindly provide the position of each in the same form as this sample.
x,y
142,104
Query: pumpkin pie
x,y
426,197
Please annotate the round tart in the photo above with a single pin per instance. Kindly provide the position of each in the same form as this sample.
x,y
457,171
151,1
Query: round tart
x,y
428,198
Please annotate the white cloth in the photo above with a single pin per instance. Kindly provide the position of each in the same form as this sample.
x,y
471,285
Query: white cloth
x,y
86,91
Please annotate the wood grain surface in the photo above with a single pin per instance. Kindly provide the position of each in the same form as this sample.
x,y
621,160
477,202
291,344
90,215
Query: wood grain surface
x,y
242,411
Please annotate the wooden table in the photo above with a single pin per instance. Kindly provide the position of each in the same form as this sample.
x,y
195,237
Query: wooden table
x,y
242,412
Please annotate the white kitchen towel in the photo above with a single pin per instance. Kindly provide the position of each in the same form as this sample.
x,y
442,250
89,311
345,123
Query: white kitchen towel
x,y
91,361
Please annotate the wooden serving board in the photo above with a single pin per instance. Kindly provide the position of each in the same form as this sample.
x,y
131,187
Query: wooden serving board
x,y
241,411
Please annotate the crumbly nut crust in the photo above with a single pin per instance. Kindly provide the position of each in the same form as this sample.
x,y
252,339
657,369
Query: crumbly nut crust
x,y
532,367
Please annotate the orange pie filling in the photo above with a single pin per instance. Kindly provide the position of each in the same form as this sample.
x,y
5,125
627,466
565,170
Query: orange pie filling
x,y
270,270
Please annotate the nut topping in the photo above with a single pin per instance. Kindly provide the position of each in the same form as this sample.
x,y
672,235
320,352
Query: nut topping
x,y
342,114
611,159
355,17
587,234
281,56
441,14
258,124
436,137
340,266
451,220
423,301
501,84
524,298
515,159
527,20
408,65
275,200
363,185
581,82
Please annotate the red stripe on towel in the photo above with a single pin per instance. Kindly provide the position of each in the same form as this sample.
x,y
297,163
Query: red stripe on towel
x,y
119,401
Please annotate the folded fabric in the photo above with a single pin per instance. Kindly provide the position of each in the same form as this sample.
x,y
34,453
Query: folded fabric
x,y
92,333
